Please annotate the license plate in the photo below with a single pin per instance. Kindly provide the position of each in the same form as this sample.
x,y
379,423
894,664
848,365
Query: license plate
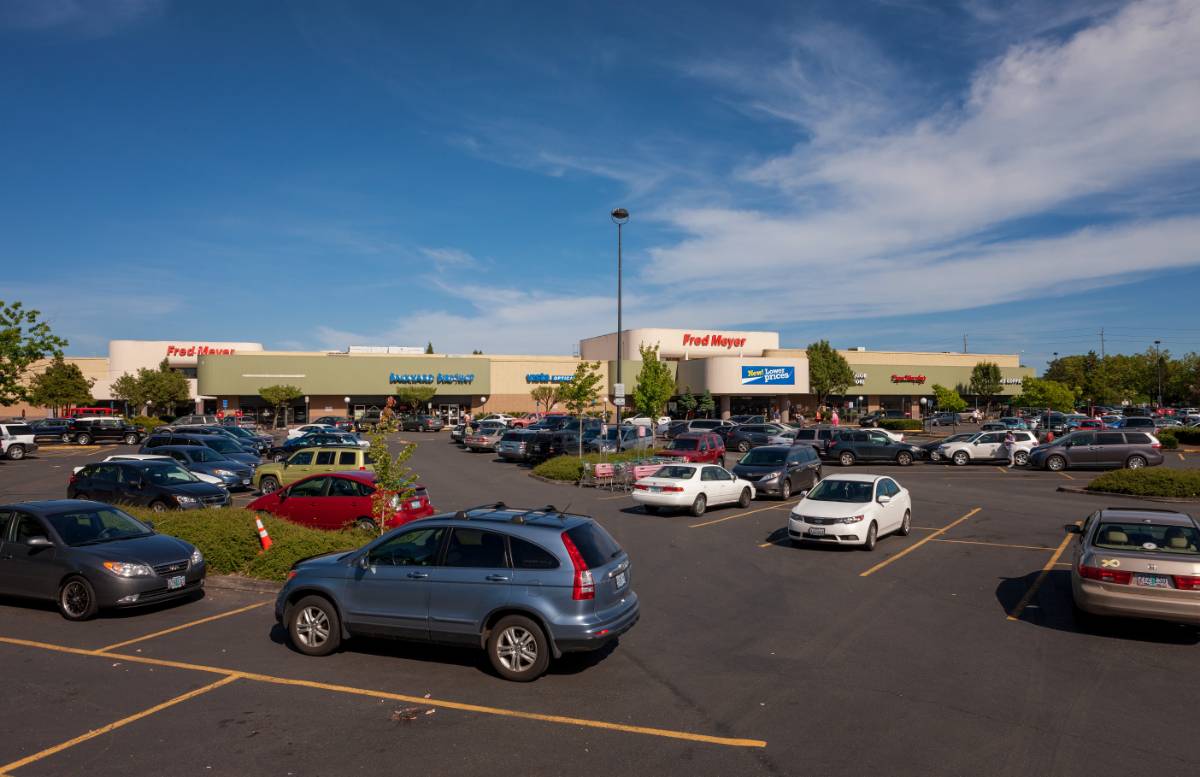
x,y
175,582
1152,581
815,532
655,489
245,481
414,504
620,579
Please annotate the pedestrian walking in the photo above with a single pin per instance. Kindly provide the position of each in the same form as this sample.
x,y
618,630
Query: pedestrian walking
x,y
1010,442
834,419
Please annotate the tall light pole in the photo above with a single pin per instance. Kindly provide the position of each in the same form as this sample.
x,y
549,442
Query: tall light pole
x,y
619,217
1158,368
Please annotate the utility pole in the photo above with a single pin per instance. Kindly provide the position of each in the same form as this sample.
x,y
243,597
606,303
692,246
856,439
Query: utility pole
x,y
964,344
1101,342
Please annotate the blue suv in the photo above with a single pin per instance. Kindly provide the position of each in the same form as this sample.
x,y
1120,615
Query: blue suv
x,y
524,585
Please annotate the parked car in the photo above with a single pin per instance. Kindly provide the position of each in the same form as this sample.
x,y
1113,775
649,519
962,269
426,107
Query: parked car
x,y
650,423
944,419
1054,422
421,423
300,431
195,459
51,430
746,436
1138,422
341,423
85,556
992,426
696,447
367,422
246,445
1091,424
195,420
850,446
85,431
19,440
1012,422
851,510
697,425
337,500
816,436
989,447
410,583
486,439
624,438
780,470
157,485
203,477
691,487
309,461
516,445
931,448
1137,562
219,443
748,419
1107,448
458,433
260,443
873,418
288,447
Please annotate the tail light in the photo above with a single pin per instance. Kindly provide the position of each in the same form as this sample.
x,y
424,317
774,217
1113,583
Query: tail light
x,y
673,489
584,587
1156,445
1105,575
74,477
1187,582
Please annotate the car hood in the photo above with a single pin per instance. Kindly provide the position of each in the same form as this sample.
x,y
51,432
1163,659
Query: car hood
x,y
821,509
756,469
324,559
195,489
152,550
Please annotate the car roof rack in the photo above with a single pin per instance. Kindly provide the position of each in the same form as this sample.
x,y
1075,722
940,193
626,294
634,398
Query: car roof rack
x,y
1145,510
465,514
520,517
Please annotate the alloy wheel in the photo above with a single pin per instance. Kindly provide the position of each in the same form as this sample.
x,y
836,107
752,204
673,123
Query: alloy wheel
x,y
312,627
517,649
76,599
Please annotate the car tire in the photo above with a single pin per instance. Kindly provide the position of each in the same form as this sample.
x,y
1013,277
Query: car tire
x,y
518,649
785,490
1056,463
313,626
159,506
1135,462
131,439
1021,458
846,459
84,439
269,484
744,498
16,452
743,446
699,506
65,438
77,599
366,524
872,537
961,458
905,525
650,509
904,458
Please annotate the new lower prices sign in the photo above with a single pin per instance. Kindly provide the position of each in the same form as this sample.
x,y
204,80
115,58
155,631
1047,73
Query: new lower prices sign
x,y
768,376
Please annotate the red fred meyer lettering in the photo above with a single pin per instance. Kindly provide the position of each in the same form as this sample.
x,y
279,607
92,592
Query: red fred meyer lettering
x,y
908,379
198,350
714,340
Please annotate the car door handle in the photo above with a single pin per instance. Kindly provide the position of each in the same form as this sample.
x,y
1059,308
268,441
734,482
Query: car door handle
x,y
497,578
418,575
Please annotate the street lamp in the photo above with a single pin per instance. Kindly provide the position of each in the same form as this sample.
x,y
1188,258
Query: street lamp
x,y
619,217
1158,368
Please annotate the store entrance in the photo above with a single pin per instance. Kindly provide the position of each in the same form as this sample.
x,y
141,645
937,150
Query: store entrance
x,y
450,414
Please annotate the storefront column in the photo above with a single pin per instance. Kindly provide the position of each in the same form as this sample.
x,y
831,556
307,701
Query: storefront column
x,y
724,405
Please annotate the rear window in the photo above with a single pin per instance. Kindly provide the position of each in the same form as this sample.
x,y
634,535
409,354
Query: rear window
x,y
20,429
595,544
1137,438
526,555
1149,538
683,444
806,434
512,437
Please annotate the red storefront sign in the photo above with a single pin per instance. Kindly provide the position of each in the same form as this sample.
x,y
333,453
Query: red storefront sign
x,y
908,378
713,340
198,350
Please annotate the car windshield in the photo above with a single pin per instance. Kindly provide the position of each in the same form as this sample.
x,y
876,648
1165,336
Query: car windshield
x,y
92,525
763,457
842,491
237,431
205,455
683,445
674,472
1148,538
168,475
222,444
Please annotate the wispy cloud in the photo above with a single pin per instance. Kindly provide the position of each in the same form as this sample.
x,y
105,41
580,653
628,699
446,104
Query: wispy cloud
x,y
88,18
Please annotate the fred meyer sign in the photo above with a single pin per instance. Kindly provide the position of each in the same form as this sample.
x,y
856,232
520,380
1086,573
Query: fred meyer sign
x,y
440,378
712,340
768,376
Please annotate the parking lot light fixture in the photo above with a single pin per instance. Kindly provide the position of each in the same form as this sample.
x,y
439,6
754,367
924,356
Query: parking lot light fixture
x,y
619,217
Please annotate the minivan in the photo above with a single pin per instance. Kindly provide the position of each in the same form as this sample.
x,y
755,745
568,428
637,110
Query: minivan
x,y
1105,448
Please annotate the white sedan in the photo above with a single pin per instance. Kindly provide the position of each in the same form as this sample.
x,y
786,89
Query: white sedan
x,y
852,510
693,487
988,446
300,431
201,476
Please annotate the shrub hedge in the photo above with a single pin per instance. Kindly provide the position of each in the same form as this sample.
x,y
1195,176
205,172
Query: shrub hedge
x,y
229,540
1186,435
1156,481
570,468
1168,438
902,424
146,422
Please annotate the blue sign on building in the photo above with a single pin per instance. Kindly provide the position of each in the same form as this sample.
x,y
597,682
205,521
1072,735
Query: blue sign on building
x,y
440,378
545,377
768,376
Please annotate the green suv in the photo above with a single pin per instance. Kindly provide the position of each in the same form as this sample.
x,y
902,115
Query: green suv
x,y
309,461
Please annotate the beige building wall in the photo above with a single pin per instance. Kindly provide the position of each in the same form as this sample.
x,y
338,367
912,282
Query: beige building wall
x,y
94,368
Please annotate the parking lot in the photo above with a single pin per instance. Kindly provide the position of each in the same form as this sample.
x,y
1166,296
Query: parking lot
x,y
951,651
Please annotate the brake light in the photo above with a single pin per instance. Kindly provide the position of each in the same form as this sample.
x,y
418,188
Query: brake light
x,y
583,587
1187,582
1105,575
673,489
1156,445
73,478
639,487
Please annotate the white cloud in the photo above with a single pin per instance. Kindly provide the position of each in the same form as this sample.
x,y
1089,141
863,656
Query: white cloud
x,y
90,18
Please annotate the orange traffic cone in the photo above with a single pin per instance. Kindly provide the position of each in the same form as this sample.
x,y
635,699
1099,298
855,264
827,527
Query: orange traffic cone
x,y
263,537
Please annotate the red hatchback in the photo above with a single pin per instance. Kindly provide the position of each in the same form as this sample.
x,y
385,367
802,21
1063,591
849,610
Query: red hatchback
x,y
697,447
336,500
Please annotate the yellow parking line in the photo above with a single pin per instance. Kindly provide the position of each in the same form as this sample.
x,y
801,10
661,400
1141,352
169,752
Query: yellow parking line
x,y
743,514
1003,469
918,544
174,629
1180,455
1037,583
1065,475
231,674
996,544
49,751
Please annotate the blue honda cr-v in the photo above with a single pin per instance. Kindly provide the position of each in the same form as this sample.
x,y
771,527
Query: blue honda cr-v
x,y
525,585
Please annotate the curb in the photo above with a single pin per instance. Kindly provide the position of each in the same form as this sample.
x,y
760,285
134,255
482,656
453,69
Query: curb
x,y
1168,499
241,583
552,481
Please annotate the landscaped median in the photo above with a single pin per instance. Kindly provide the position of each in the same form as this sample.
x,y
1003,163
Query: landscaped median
x,y
569,469
1146,482
229,541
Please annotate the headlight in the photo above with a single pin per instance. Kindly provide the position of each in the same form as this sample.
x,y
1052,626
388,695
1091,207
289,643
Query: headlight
x,y
197,557
852,519
225,473
185,500
771,475
125,569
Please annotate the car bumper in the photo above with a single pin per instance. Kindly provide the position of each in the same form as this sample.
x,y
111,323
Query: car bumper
x,y
1131,602
660,499
833,534
771,487
513,455
112,591
594,634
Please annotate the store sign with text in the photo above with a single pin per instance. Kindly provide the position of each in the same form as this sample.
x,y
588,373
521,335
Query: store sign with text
x,y
768,376
918,379
545,377
197,350
712,340
430,378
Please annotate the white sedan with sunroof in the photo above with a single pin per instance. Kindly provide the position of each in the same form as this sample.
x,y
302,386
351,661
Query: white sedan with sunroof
x,y
692,487
852,510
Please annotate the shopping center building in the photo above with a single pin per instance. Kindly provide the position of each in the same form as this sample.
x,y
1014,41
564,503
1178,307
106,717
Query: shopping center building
x,y
745,372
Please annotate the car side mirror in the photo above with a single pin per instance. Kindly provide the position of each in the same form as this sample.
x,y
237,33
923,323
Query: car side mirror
x,y
884,499
804,493
39,542
1073,528
363,561
149,525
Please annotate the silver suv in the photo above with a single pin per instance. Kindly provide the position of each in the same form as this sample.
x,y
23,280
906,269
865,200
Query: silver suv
x,y
524,585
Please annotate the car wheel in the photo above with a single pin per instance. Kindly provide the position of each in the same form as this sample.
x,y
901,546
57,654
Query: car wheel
x,y
743,446
268,485
699,505
77,599
16,452
961,458
785,490
66,438
1056,463
744,499
1135,462
131,439
906,524
1021,458
872,535
314,627
84,439
365,524
518,649
650,509
904,458
846,459
158,506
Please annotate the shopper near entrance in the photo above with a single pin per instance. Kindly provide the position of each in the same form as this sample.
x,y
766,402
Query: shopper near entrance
x,y
834,419
1010,442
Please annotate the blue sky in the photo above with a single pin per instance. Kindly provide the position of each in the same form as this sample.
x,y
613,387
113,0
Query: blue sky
x,y
893,174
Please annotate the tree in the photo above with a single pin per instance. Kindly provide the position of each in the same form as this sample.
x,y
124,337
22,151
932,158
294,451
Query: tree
x,y
948,400
128,388
546,397
828,371
985,381
165,388
655,385
278,396
706,404
24,339
687,403
394,480
415,397
476,352
1039,393
60,386
582,392
429,347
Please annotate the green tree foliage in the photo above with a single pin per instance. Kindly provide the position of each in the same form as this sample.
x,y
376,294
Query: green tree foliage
x,y
429,347
1042,393
985,381
655,384
687,403
546,397
948,400
706,405
394,479
828,371
153,392
60,386
582,392
24,339
278,396
415,397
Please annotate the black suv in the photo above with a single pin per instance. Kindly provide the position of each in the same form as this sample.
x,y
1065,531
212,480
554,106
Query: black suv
x,y
159,485
86,431
850,446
